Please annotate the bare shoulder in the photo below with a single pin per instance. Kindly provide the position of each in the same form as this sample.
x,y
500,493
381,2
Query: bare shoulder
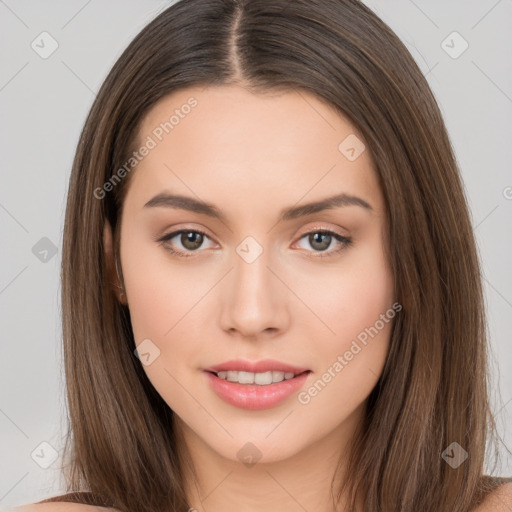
x,y
61,507
499,500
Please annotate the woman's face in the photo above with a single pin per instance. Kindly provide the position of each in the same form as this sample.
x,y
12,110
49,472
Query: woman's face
x,y
259,281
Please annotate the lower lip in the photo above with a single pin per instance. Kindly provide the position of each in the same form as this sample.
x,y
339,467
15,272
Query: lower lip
x,y
254,396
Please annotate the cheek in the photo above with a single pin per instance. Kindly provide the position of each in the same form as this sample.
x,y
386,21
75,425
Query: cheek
x,y
355,301
359,309
167,306
160,294
163,308
351,296
363,325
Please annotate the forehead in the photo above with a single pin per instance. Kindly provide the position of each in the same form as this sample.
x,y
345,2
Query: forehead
x,y
215,140
230,116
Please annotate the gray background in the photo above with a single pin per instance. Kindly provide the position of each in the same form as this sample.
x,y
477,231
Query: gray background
x,y
43,104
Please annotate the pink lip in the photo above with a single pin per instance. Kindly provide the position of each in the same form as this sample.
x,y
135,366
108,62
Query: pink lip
x,y
253,396
265,365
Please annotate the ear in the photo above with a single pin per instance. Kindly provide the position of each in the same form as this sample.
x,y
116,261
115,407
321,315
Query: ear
x,y
110,260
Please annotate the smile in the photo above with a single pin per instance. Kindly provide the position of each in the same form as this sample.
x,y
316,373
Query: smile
x,y
261,379
255,385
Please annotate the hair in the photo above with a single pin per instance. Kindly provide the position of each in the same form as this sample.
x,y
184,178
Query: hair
x,y
121,445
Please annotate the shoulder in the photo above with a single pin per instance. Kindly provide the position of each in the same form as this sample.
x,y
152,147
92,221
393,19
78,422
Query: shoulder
x,y
61,507
498,500
77,501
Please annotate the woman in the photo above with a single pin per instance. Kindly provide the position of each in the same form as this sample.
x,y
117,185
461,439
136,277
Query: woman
x,y
271,293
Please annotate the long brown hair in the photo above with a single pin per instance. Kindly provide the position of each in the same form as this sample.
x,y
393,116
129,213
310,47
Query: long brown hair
x,y
433,389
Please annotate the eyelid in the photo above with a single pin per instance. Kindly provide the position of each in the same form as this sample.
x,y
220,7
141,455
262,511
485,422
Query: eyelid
x,y
176,230
323,227
315,227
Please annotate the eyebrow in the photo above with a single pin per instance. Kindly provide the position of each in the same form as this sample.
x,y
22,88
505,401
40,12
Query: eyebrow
x,y
191,204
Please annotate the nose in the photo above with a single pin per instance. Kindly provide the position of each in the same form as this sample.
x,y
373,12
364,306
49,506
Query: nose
x,y
254,298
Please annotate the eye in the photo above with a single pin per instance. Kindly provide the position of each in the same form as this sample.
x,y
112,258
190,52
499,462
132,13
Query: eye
x,y
322,239
190,240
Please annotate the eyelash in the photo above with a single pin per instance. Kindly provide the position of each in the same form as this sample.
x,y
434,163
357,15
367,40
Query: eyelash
x,y
343,240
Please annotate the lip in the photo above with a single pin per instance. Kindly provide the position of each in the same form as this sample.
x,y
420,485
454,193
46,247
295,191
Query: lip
x,y
253,396
265,365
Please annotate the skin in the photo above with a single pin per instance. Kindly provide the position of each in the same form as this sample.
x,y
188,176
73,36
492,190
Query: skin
x,y
253,155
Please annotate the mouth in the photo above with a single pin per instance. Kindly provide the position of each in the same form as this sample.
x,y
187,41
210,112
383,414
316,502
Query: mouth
x,y
259,378
255,385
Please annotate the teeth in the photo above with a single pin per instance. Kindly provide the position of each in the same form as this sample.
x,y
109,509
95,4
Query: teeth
x,y
232,376
246,377
277,376
262,379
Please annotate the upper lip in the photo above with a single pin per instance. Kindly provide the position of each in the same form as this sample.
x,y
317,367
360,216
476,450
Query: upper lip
x,y
265,365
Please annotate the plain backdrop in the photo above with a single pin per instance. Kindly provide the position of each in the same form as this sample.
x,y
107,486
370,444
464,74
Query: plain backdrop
x,y
43,105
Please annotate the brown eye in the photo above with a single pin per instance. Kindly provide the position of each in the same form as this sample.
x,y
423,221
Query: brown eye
x,y
190,240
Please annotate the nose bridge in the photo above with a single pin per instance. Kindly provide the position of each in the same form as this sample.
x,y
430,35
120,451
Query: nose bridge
x,y
256,298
